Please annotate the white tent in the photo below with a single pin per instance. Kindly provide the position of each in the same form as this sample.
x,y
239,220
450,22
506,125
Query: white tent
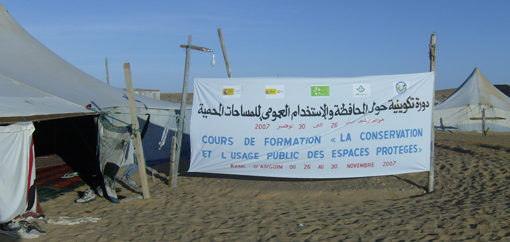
x,y
476,103
36,84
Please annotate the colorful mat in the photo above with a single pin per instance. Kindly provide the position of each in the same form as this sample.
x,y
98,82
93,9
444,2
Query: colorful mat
x,y
48,160
53,181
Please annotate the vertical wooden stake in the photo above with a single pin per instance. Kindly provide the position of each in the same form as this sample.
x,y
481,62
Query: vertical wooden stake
x,y
483,122
171,177
182,112
136,132
224,53
107,75
432,56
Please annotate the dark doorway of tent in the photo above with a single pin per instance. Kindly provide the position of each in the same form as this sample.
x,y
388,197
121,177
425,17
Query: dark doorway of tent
x,y
65,151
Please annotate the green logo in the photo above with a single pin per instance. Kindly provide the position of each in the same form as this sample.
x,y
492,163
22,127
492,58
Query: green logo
x,y
360,89
320,91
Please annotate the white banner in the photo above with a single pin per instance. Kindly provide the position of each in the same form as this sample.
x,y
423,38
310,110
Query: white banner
x,y
312,127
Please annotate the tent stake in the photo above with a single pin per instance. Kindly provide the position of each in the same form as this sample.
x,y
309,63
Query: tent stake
x,y
432,56
136,132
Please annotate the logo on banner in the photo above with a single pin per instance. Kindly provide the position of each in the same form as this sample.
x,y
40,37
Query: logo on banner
x,y
361,90
274,91
400,87
228,91
320,91
232,92
271,91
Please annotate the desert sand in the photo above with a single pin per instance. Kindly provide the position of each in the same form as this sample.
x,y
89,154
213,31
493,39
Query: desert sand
x,y
469,202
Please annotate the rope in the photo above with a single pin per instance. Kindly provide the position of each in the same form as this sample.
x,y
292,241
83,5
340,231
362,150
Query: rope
x,y
177,119
143,114
108,114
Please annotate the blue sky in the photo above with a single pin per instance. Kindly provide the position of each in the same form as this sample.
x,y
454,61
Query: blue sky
x,y
272,38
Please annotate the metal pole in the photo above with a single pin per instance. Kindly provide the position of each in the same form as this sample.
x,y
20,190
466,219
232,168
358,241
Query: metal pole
x,y
224,53
182,114
432,56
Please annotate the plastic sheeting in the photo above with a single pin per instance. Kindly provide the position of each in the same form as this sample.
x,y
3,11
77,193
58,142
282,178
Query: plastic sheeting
x,y
17,172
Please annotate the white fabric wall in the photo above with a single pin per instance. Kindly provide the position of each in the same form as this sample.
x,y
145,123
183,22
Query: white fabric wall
x,y
16,170
458,118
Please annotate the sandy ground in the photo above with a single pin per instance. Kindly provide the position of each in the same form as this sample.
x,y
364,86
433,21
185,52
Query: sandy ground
x,y
470,202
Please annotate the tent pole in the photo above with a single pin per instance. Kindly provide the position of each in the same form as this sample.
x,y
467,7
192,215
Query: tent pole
x,y
172,161
107,75
229,72
432,56
136,131
184,97
182,112
483,122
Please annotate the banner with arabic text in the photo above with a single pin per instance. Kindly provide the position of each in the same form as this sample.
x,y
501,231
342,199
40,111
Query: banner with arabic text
x,y
312,127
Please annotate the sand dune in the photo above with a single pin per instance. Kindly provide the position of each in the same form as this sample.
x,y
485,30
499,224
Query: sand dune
x,y
470,202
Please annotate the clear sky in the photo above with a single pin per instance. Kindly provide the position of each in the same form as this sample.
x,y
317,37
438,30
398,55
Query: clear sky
x,y
272,38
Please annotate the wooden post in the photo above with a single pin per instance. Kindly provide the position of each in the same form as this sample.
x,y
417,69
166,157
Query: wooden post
x,y
432,52
224,53
432,56
107,75
136,132
171,177
182,112
483,122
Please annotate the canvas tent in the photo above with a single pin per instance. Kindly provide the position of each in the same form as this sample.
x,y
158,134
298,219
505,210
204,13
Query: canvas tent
x,y
476,103
37,85
24,61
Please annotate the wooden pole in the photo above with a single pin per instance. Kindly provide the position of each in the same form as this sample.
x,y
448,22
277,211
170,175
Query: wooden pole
x,y
182,112
432,56
136,132
193,47
483,122
107,75
172,162
224,53
432,52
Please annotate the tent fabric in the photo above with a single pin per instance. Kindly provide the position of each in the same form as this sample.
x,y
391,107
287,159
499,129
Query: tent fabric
x,y
17,173
37,84
28,61
462,111
21,103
